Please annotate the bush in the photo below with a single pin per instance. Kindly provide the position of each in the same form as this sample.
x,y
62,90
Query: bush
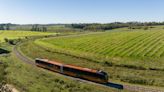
x,y
145,27
12,41
6,39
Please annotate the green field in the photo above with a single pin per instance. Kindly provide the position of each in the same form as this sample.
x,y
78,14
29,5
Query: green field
x,y
19,34
106,51
27,78
115,44
119,53
138,49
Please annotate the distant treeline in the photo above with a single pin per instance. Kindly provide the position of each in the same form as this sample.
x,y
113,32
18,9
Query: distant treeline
x,y
78,27
5,26
109,26
39,28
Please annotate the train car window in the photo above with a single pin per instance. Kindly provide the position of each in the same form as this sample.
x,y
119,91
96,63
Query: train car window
x,y
50,65
95,75
56,67
71,70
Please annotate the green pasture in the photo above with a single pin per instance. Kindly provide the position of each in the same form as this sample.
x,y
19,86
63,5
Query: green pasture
x,y
138,49
19,34
114,44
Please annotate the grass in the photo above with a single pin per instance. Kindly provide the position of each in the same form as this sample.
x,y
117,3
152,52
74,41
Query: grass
x,y
27,78
19,34
2,67
124,74
31,79
128,56
134,49
120,44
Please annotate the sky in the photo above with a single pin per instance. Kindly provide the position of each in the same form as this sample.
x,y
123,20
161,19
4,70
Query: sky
x,y
80,11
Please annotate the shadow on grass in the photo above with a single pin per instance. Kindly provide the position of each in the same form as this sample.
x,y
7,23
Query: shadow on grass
x,y
114,85
3,51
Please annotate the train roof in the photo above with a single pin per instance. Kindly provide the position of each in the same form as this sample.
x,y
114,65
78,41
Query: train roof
x,y
81,68
71,66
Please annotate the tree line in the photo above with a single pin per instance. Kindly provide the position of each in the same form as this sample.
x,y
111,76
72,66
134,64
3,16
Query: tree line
x,y
4,26
81,26
39,28
109,26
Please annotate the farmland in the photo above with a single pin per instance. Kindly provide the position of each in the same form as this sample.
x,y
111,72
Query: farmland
x,y
32,79
120,47
106,51
19,34
26,78
120,44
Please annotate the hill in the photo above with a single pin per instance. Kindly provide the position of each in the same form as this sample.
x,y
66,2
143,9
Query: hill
x,y
105,51
119,47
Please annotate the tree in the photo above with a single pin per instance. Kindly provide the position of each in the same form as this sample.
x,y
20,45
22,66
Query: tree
x,y
1,27
7,26
44,29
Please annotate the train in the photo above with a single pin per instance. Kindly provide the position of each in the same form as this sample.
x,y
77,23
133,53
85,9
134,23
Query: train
x,y
97,76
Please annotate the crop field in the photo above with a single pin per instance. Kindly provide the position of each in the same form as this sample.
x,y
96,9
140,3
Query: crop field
x,y
137,49
19,34
119,44
128,56
123,73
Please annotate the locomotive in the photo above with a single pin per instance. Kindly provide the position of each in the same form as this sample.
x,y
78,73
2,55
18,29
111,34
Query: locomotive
x,y
74,71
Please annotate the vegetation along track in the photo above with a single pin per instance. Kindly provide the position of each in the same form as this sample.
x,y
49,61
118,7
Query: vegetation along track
x,y
114,85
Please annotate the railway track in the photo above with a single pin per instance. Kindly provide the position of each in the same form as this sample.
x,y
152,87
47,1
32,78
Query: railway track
x,y
132,88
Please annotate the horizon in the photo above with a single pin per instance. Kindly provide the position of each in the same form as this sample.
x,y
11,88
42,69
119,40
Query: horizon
x,y
86,11
83,23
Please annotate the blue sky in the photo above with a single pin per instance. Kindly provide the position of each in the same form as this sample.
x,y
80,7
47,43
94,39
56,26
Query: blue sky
x,y
80,11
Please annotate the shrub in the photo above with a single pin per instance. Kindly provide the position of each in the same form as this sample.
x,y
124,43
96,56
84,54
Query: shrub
x,y
6,39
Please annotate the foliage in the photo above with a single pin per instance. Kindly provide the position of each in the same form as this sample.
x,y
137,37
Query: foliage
x,y
109,26
38,28
76,27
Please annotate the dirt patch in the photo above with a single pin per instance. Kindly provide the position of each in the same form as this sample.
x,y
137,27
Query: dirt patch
x,y
7,88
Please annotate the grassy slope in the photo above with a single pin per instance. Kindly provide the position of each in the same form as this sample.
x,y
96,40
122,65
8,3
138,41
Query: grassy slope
x,y
124,74
144,47
31,79
2,67
122,44
19,34
126,70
